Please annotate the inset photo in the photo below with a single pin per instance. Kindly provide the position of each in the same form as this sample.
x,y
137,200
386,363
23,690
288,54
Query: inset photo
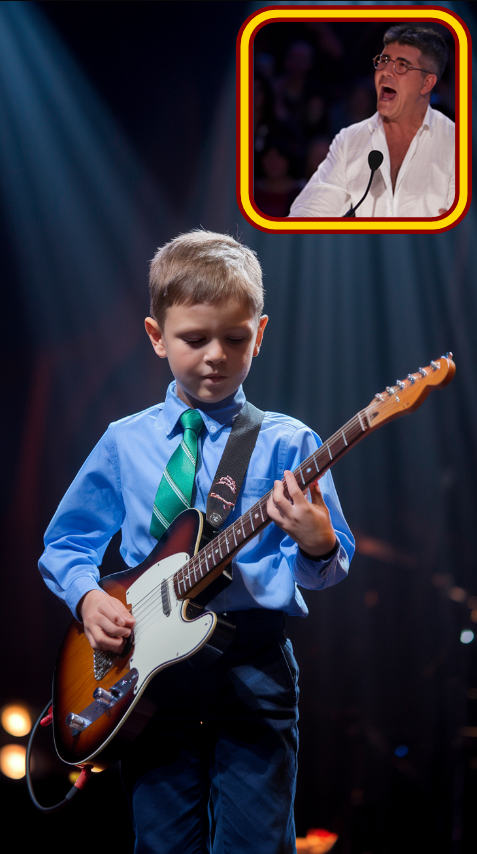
x,y
353,119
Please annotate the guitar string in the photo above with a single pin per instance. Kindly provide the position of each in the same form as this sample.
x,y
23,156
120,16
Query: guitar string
x,y
154,597
230,534
195,564
152,602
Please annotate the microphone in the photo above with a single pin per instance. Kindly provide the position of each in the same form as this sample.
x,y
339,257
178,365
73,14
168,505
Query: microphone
x,y
375,158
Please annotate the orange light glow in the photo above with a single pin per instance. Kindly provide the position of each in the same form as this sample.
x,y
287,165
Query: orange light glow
x,y
12,761
16,720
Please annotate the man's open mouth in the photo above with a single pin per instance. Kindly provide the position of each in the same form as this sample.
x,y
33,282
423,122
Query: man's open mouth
x,y
387,94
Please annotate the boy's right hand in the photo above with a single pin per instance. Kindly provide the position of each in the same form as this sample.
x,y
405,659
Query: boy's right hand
x,y
107,622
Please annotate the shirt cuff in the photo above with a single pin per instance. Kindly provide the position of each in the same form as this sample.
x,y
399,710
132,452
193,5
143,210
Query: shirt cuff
x,y
314,573
77,590
327,556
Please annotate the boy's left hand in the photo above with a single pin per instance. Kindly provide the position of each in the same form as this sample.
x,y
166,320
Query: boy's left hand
x,y
309,524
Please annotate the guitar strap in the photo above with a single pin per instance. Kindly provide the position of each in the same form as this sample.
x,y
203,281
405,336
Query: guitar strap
x,y
233,465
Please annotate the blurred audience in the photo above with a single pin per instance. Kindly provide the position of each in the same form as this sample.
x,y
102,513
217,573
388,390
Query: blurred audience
x,y
276,187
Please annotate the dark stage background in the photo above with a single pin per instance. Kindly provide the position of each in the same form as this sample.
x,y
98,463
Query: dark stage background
x,y
117,131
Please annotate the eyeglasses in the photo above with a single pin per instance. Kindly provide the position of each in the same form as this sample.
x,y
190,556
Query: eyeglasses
x,y
400,67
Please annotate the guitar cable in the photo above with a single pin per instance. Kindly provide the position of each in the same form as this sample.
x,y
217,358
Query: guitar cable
x,y
45,719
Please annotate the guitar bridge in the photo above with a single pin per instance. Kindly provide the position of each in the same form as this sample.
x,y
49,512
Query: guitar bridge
x,y
103,703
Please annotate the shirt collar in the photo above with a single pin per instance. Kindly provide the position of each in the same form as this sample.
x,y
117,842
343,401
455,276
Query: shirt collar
x,y
376,121
428,119
214,419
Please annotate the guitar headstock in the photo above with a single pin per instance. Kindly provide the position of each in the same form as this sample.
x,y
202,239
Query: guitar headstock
x,y
407,395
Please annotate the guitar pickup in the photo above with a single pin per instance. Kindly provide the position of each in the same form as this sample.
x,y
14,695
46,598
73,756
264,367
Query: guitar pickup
x,y
166,598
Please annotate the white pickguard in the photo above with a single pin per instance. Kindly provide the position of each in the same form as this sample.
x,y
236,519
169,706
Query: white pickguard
x,y
161,640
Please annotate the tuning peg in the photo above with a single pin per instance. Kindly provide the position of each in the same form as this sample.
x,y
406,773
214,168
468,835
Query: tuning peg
x,y
422,372
448,355
411,379
434,366
400,384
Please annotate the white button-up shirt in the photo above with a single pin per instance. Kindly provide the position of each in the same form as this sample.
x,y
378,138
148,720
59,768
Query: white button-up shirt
x,y
425,182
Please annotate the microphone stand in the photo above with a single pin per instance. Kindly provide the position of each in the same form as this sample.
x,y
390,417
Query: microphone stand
x,y
375,158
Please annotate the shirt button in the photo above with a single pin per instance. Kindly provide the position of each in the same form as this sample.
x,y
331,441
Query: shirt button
x,y
213,429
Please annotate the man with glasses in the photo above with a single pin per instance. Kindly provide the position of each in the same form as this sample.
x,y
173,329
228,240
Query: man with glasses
x,y
417,175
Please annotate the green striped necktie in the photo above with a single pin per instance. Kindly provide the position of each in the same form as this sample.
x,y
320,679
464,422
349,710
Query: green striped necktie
x,y
175,489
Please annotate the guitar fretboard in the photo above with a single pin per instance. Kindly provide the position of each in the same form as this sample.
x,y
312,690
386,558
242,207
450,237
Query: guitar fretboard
x,y
228,542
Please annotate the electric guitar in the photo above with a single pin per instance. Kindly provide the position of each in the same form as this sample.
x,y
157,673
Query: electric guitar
x,y
100,698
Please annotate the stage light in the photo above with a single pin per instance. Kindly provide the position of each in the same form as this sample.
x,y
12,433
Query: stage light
x,y
466,636
457,594
12,761
16,720
401,750
75,200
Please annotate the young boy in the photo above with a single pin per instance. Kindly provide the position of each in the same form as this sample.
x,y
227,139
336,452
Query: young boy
x,y
215,768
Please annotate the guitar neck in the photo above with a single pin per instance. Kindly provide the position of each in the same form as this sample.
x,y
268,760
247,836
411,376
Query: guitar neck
x,y
229,542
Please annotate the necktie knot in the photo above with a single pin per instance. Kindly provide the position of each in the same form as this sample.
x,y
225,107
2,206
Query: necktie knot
x,y
191,419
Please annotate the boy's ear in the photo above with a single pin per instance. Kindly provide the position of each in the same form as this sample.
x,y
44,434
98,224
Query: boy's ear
x,y
155,336
258,341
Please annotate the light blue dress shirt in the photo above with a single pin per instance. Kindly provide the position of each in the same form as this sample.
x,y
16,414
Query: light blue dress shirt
x,y
117,485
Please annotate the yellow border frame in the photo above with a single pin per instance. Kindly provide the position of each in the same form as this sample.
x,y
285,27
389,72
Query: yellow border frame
x,y
368,13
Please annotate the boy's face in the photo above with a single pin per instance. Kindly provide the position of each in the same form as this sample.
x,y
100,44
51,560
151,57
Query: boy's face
x,y
209,347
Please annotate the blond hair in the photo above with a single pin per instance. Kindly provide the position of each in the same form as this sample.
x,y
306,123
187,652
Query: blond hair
x,y
204,267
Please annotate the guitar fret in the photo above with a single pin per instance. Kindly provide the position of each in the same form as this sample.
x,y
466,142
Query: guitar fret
x,y
243,528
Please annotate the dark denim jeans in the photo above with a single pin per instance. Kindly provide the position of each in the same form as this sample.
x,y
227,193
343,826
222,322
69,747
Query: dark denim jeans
x,y
215,769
